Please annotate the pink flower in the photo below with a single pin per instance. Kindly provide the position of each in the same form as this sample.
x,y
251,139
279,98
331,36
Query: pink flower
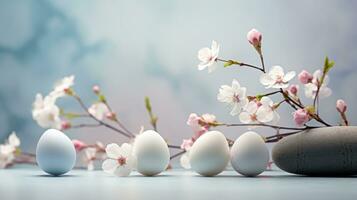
x,y
111,115
194,121
341,106
305,77
187,144
96,89
254,37
199,125
65,125
293,90
301,116
79,145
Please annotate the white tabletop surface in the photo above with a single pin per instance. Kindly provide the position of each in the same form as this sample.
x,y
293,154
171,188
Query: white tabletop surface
x,y
29,183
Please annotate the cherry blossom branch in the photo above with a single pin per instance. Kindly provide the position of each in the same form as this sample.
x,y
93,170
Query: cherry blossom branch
x,y
28,154
174,146
85,125
270,93
262,60
116,120
295,104
177,154
79,100
277,137
267,125
232,62
344,118
153,118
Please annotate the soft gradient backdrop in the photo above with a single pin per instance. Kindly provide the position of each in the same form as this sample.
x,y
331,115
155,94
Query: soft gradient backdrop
x,y
138,48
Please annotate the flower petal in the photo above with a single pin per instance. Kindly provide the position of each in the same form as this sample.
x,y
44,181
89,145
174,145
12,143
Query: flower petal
x,y
251,107
204,54
276,71
110,165
289,76
14,140
214,49
113,151
126,149
265,114
235,85
266,101
325,92
236,109
124,170
265,79
185,161
244,117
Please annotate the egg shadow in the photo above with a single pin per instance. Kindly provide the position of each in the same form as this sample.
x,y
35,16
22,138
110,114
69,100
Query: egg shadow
x,y
52,176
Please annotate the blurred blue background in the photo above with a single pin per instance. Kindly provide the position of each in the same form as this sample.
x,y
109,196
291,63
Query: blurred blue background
x,y
137,48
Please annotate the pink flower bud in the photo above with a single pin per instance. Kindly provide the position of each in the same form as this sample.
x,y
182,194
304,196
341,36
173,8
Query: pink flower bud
x,y
65,125
301,116
198,125
254,37
293,90
79,145
187,144
305,77
96,89
111,115
341,106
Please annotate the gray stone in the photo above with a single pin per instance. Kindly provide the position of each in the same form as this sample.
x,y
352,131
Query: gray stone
x,y
329,151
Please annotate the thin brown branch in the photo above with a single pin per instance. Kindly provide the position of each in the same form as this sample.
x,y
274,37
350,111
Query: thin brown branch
x,y
267,125
262,60
174,146
84,107
85,125
242,64
116,120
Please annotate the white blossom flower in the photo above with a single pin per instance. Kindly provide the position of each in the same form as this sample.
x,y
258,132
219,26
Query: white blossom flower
x,y
185,160
262,111
7,150
234,95
90,156
61,86
13,140
121,160
266,111
276,78
208,57
208,118
99,110
311,88
249,115
46,113
6,155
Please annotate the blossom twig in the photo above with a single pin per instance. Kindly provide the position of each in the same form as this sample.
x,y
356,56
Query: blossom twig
x,y
153,118
232,62
267,125
116,120
79,100
262,60
85,125
174,146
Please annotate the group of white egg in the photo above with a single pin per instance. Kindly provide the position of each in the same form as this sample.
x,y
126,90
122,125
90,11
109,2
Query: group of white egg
x,y
209,155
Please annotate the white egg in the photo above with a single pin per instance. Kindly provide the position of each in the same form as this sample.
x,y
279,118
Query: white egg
x,y
209,155
152,153
249,154
55,153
